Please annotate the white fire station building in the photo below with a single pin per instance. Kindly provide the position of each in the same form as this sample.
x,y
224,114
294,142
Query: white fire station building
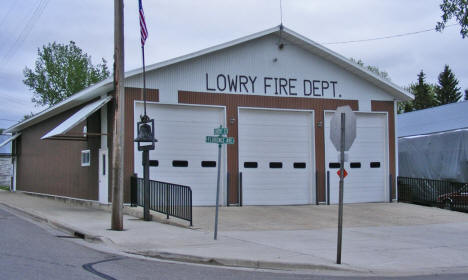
x,y
275,91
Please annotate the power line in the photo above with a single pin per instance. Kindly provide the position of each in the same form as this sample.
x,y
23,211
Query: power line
x,y
8,120
25,32
7,14
384,37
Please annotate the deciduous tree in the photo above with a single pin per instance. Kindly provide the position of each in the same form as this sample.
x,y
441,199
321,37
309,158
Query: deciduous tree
x,y
61,71
374,69
457,9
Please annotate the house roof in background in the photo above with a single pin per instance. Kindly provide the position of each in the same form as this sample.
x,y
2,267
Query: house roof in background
x,y
433,120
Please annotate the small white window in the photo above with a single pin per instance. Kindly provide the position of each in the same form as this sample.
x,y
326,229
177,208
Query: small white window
x,y
85,158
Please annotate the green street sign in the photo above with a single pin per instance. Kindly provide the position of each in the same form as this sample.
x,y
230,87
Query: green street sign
x,y
219,140
221,131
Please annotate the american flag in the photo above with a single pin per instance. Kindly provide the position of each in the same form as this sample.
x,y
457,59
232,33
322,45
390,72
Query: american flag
x,y
143,30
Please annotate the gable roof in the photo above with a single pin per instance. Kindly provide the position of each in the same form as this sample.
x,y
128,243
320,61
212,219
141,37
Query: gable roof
x,y
107,85
433,120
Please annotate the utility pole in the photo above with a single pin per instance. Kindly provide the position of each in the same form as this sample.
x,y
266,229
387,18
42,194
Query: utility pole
x,y
119,119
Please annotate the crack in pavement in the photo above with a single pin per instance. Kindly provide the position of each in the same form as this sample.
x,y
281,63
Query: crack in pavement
x,y
89,267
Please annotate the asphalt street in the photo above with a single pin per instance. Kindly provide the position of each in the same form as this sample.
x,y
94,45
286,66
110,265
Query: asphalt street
x,y
31,250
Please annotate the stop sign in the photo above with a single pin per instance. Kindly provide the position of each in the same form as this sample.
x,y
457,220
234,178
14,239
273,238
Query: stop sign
x,y
350,127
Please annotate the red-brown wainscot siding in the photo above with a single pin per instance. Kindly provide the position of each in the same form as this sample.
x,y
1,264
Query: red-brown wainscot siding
x,y
54,166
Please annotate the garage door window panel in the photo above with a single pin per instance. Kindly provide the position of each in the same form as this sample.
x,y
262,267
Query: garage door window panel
x,y
299,165
250,164
276,165
208,163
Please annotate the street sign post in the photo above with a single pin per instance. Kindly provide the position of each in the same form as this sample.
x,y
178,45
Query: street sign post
x,y
220,140
342,135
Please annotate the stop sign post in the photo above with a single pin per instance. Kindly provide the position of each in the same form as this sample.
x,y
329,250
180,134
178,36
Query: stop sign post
x,y
350,128
342,135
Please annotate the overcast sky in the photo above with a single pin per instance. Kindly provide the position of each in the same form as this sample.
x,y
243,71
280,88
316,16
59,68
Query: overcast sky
x,y
178,27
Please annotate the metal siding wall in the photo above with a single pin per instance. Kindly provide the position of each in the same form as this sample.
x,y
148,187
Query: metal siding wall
x,y
232,102
54,166
255,58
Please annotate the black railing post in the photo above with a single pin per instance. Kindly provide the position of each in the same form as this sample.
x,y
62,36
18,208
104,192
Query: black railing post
x,y
316,188
328,187
133,191
240,189
390,188
167,201
190,209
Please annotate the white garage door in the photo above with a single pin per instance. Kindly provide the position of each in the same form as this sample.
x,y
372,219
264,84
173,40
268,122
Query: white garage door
x,y
275,157
367,166
181,153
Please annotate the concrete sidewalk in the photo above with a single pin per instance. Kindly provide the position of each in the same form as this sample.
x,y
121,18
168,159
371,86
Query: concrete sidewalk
x,y
386,239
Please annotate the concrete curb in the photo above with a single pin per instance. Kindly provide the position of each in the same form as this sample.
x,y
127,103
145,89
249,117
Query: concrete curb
x,y
59,225
136,212
156,217
243,263
179,257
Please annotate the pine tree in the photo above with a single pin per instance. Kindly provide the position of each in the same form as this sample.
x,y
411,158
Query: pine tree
x,y
423,93
466,94
447,91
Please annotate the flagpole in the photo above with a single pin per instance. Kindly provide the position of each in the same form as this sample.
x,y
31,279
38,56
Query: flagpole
x,y
144,78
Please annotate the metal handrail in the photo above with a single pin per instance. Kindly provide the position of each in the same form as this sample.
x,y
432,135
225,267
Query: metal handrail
x,y
166,198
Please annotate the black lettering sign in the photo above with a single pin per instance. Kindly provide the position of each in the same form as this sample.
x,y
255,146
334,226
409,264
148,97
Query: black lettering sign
x,y
232,83
276,86
243,83
307,88
252,81
271,85
265,84
221,79
292,87
315,87
282,84
333,86
325,85
207,87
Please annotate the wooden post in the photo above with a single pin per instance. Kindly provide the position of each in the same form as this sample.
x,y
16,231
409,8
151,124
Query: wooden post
x,y
119,119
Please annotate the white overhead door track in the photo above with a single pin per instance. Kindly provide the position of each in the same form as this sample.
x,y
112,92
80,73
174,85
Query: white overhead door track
x,y
276,152
181,155
368,160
